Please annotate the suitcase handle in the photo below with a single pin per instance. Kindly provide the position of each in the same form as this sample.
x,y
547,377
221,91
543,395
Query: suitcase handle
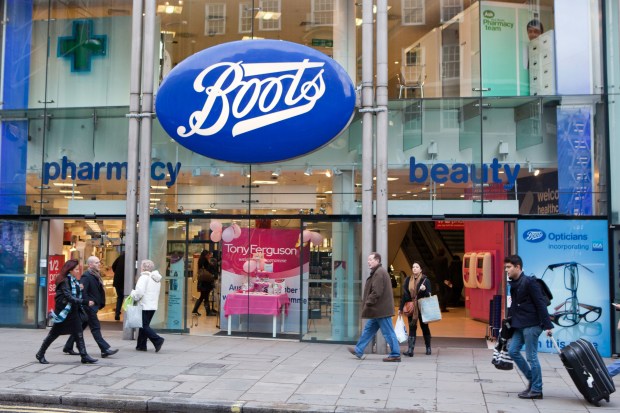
x,y
555,344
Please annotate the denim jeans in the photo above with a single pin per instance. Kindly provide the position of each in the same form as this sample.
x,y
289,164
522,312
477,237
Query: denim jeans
x,y
371,328
614,368
530,368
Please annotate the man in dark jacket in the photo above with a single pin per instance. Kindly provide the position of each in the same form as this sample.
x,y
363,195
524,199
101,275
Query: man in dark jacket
x,y
118,267
529,317
93,290
378,307
442,277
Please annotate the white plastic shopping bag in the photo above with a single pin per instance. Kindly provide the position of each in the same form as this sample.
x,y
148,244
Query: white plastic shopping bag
x,y
133,316
400,330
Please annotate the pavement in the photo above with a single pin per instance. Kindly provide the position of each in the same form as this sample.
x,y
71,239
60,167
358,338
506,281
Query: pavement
x,y
228,374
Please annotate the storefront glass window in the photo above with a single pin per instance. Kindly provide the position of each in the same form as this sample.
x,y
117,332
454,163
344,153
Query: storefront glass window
x,y
18,273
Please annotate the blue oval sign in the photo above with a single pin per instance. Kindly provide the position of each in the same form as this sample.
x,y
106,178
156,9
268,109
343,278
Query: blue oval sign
x,y
534,235
255,101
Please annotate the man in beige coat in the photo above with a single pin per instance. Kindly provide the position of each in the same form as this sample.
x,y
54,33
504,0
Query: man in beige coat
x,y
378,307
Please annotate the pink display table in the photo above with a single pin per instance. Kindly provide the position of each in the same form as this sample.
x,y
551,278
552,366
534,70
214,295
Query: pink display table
x,y
257,303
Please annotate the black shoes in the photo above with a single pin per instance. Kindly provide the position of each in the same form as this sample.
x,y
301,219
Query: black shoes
x,y
158,345
529,394
196,313
41,358
117,318
140,349
86,359
428,351
392,359
70,352
108,352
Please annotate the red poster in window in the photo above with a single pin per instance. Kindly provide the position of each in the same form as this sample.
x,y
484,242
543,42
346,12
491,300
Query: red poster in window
x,y
54,265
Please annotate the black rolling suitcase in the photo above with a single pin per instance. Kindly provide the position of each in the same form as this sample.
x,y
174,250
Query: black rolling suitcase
x,y
587,370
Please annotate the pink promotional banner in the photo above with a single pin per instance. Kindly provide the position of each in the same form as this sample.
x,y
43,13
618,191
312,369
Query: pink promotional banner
x,y
258,258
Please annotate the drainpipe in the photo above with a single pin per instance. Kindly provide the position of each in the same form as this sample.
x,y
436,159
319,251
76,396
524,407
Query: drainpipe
x,y
367,131
146,128
381,157
132,152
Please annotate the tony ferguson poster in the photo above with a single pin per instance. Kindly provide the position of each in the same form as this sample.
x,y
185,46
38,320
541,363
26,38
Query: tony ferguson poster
x,y
260,254
571,256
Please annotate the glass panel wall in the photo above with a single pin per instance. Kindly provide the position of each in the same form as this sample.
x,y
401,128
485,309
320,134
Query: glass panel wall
x,y
18,273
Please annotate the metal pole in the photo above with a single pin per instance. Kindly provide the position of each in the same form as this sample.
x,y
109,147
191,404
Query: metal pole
x,y
382,129
146,129
132,152
381,159
367,130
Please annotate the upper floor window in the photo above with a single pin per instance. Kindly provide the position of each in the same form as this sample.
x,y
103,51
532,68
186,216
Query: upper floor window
x,y
269,15
322,12
412,12
246,15
215,19
450,8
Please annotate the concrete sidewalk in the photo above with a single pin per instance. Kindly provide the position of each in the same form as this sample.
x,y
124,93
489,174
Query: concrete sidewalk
x,y
251,375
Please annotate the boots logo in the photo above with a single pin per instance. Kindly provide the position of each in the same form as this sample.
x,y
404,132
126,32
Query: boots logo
x,y
245,101
534,235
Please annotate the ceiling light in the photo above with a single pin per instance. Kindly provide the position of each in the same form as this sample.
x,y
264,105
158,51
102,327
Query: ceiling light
x,y
308,171
62,184
159,187
265,182
68,191
276,172
73,197
536,172
328,173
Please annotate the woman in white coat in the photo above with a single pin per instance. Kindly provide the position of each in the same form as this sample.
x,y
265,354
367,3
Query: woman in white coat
x,y
146,294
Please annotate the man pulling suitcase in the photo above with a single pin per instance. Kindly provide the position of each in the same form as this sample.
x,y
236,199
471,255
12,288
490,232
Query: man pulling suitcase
x,y
529,317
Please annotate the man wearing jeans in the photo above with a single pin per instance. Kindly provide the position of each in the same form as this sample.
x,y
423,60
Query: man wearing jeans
x,y
529,317
378,307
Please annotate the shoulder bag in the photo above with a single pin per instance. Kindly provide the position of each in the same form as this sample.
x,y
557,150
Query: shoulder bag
x,y
408,309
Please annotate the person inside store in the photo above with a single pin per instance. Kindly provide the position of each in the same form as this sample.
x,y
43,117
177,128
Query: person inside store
x,y
93,290
146,294
534,29
66,313
118,267
415,287
614,368
529,317
456,278
378,308
442,277
206,282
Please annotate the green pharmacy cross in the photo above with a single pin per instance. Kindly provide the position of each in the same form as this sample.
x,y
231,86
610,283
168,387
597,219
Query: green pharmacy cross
x,y
82,45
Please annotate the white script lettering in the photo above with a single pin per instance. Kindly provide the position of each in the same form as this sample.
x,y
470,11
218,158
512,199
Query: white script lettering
x,y
236,81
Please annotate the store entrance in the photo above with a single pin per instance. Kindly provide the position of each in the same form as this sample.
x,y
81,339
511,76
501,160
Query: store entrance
x,y
81,238
442,247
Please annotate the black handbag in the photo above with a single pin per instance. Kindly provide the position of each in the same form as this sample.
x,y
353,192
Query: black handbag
x,y
82,314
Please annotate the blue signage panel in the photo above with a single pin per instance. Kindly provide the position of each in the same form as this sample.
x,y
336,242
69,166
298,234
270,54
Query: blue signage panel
x,y
571,257
574,160
255,101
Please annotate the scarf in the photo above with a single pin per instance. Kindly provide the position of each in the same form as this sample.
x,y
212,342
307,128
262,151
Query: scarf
x,y
414,287
76,292
97,275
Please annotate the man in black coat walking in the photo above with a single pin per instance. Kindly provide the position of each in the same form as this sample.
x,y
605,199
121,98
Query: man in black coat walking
x,y
92,290
118,266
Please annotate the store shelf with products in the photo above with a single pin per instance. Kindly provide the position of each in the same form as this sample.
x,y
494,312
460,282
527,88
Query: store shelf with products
x,y
320,285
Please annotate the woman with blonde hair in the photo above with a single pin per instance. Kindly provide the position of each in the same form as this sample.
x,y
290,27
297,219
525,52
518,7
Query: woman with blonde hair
x,y
416,286
146,294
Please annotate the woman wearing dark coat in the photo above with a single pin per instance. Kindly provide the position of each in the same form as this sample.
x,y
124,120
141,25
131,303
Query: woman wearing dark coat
x,y
66,315
206,282
415,287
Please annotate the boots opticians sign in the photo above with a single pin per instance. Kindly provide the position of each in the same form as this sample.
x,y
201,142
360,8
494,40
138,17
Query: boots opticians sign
x,y
255,101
